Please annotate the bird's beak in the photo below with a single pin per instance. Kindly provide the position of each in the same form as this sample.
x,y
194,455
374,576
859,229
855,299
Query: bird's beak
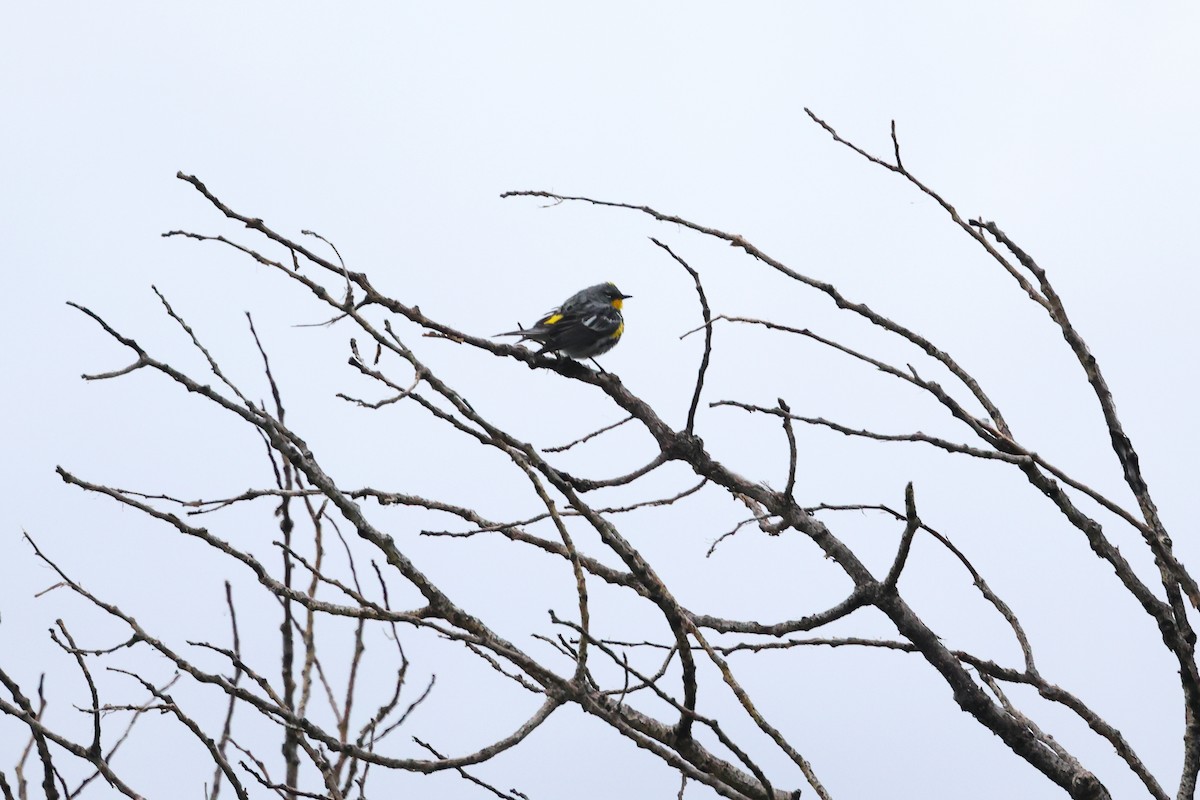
x,y
626,296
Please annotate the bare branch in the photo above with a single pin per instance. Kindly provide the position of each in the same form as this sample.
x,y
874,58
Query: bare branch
x,y
910,530
467,775
582,439
227,726
94,711
789,490
704,359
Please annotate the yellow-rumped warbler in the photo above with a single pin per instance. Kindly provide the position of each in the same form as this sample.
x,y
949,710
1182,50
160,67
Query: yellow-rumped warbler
x,y
587,324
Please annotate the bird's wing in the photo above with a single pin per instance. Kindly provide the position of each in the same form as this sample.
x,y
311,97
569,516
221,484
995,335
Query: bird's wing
x,y
603,320
579,329
583,325
572,327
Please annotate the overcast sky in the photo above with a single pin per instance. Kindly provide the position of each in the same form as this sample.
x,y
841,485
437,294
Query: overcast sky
x,y
392,129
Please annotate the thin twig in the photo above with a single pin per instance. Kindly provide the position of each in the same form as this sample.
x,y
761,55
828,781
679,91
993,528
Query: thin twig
x,y
707,314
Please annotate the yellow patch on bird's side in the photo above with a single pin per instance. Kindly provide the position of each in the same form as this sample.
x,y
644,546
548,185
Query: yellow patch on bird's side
x,y
553,318
620,329
618,303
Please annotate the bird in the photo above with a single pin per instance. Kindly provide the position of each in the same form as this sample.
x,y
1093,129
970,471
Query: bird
x,y
587,324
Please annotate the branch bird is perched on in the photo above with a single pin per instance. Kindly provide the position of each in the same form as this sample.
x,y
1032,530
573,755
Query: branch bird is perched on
x,y
587,324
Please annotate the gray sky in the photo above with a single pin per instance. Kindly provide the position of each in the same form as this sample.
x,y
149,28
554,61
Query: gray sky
x,y
392,129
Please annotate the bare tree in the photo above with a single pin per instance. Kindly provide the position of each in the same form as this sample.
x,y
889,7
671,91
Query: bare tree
x,y
645,690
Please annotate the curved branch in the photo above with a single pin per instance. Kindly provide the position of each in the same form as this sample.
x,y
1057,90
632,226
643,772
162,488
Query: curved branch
x,y
691,417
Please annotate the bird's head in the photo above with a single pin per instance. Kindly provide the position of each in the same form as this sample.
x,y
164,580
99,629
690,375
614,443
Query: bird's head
x,y
613,295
